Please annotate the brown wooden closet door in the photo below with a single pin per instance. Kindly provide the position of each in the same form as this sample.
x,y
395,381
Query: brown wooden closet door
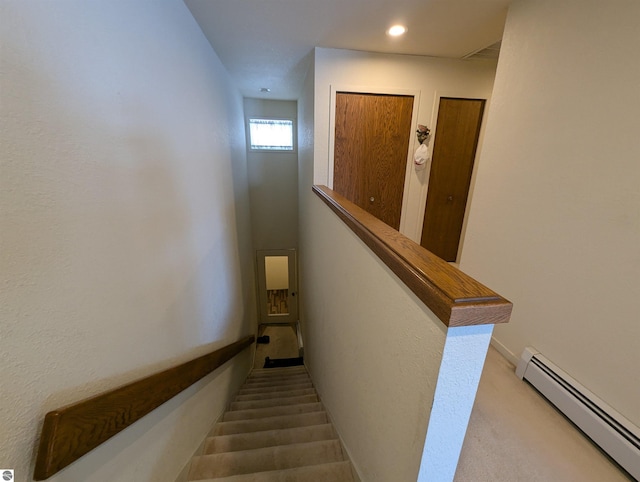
x,y
454,151
371,148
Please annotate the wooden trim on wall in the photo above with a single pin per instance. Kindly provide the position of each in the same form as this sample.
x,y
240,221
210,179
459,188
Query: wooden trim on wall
x,y
69,433
454,297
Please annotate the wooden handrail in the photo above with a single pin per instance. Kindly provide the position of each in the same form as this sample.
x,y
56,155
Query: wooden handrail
x,y
70,432
454,297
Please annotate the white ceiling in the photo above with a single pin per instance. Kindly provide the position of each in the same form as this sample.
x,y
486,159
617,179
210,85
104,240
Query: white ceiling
x,y
266,43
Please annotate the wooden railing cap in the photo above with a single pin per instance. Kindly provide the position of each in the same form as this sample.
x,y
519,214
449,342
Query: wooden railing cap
x,y
455,297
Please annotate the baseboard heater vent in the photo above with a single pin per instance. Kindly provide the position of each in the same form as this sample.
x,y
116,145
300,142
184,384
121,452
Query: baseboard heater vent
x,y
616,435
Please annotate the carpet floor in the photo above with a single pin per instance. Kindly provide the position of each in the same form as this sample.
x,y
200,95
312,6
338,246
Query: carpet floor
x,y
516,435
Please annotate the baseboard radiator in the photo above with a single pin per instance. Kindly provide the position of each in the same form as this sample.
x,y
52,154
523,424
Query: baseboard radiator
x,y
616,435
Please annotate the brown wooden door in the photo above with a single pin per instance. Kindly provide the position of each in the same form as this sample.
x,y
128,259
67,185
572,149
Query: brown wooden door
x,y
454,151
371,148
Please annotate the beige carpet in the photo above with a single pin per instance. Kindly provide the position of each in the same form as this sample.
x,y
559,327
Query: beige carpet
x,y
516,435
276,430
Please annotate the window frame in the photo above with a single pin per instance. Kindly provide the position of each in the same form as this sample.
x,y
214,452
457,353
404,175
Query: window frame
x,y
271,118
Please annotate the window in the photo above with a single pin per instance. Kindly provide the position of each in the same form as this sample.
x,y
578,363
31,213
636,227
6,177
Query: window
x,y
271,134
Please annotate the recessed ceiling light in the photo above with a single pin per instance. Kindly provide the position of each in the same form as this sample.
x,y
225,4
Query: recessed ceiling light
x,y
397,30
265,89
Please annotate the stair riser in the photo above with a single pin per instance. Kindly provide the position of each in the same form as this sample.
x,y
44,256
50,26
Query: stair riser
x,y
266,396
277,381
271,412
271,423
333,472
269,438
273,402
269,374
278,372
279,369
270,458
283,388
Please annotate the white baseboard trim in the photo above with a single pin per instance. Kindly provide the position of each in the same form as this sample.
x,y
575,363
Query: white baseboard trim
x,y
354,471
615,434
504,351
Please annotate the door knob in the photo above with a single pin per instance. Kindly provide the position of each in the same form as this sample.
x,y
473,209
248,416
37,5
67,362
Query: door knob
x,y
371,199
450,199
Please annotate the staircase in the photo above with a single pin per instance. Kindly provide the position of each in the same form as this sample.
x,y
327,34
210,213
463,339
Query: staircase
x,y
275,430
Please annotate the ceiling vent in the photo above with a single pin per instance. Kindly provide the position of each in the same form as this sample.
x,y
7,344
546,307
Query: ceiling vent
x,y
490,52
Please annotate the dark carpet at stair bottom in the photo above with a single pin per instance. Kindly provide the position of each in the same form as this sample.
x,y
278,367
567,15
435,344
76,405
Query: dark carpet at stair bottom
x,y
283,362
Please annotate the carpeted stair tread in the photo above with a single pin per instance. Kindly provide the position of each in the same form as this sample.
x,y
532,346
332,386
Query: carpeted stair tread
x,y
264,378
271,411
276,381
269,438
277,388
270,423
266,396
273,402
286,384
264,459
276,430
332,472
277,372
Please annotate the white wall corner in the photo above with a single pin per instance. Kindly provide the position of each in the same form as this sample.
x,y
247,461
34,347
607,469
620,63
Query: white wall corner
x,y
504,351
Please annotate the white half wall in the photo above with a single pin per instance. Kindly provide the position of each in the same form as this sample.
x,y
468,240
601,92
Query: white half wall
x,y
555,216
374,350
126,244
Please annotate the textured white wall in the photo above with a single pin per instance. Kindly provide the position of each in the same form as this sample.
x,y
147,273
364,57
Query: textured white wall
x,y
387,370
124,224
430,77
273,183
359,371
555,218
373,349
